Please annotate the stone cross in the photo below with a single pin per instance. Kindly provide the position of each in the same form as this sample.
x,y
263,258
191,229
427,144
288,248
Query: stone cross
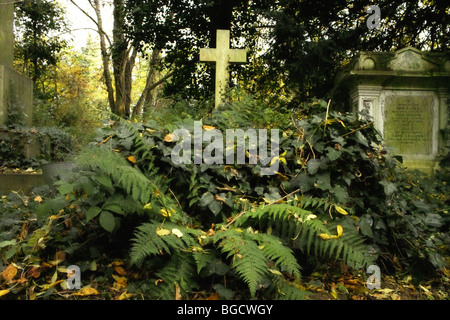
x,y
222,55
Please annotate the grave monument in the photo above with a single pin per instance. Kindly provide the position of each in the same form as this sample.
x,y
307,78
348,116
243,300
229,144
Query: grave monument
x,y
407,95
16,91
222,55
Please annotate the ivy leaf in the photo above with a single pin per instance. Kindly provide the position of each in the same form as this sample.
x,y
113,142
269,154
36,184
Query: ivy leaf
x,y
340,193
389,187
107,221
215,207
359,137
313,165
333,154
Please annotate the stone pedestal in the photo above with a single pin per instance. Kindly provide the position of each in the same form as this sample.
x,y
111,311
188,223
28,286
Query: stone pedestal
x,y
16,91
407,95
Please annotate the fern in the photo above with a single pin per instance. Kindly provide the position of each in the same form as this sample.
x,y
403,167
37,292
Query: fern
x,y
177,275
303,228
251,254
155,238
283,289
115,166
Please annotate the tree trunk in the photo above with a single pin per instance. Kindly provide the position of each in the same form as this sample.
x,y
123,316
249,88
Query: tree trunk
x,y
105,56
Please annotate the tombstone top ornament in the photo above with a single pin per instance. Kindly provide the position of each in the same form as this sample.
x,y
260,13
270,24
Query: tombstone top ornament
x,y
407,95
222,55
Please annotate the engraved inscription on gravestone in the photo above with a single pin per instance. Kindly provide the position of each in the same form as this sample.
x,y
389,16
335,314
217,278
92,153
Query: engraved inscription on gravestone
x,y
408,124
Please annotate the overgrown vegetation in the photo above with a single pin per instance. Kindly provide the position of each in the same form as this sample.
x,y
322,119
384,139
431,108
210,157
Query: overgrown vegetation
x,y
141,227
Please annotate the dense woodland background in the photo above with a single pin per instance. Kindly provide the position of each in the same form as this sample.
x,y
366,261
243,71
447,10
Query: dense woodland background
x,y
141,227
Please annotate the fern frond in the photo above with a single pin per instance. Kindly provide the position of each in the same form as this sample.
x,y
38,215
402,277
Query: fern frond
x,y
247,259
115,166
155,238
276,251
287,290
302,227
179,273
251,254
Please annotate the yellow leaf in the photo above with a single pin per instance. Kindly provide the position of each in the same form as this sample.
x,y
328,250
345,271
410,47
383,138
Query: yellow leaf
x,y
86,291
125,295
120,270
38,199
9,273
282,159
340,230
4,292
341,210
325,236
170,137
132,159
274,159
206,127
117,263
165,213
162,232
177,232
177,292
148,206
121,282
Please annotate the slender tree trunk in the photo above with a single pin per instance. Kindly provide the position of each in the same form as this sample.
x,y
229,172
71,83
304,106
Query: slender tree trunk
x,y
105,56
150,80
121,61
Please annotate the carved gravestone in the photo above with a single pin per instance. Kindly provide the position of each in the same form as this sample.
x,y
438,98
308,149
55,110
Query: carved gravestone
x,y
16,91
407,95
222,55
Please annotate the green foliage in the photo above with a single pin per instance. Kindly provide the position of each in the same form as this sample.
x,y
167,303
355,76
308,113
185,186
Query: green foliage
x,y
36,49
337,196
303,227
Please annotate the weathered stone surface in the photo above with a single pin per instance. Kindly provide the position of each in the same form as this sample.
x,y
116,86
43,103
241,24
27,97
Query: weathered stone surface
x,y
222,55
16,91
407,95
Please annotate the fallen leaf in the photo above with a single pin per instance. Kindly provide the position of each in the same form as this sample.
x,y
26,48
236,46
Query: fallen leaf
x,y
9,273
86,291
120,283
324,236
38,199
165,213
177,232
341,210
60,256
170,137
117,263
125,295
4,292
35,272
213,296
132,159
206,127
121,271
177,292
162,232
